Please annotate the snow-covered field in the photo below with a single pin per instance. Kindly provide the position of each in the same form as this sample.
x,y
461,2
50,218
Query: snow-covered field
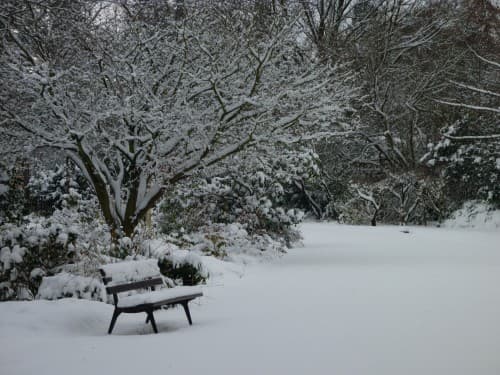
x,y
352,301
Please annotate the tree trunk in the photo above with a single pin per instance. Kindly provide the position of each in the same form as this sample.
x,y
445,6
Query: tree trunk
x,y
374,219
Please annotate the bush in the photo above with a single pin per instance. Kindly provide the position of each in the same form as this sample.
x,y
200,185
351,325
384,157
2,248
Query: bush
x,y
397,199
186,269
29,252
182,272
232,241
65,285
261,195
32,189
470,169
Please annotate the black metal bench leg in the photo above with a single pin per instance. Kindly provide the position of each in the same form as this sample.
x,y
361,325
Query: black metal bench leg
x,y
113,320
151,318
188,314
147,318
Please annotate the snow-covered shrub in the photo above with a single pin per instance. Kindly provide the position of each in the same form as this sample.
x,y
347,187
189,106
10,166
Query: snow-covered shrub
x,y
434,204
363,205
184,268
12,196
260,194
53,189
30,187
30,251
4,182
62,230
470,168
398,199
230,242
475,214
65,285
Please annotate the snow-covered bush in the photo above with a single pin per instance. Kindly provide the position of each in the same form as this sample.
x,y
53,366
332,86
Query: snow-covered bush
x,y
398,199
363,205
12,196
65,285
184,267
259,194
4,183
30,251
470,168
53,189
62,232
474,214
230,242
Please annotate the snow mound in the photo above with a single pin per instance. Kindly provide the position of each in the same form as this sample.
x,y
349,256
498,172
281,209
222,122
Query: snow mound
x,y
475,215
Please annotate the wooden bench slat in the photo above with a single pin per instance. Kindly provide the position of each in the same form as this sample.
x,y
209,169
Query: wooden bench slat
x,y
134,285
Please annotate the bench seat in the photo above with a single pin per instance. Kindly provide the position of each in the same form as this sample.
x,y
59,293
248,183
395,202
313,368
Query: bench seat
x,y
160,297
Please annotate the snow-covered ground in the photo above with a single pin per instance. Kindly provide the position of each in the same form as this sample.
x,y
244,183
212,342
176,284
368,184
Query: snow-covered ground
x,y
352,301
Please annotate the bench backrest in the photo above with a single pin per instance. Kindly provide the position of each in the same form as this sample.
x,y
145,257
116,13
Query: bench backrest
x,y
130,275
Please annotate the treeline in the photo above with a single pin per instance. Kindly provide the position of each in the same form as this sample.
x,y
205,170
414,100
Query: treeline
x,y
428,132
363,111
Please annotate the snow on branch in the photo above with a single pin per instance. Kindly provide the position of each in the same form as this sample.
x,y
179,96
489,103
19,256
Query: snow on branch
x,y
472,137
469,106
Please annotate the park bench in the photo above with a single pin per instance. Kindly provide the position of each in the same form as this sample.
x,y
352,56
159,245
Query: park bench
x,y
143,276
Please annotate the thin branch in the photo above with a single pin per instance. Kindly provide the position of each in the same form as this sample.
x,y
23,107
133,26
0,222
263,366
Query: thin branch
x,y
476,107
472,137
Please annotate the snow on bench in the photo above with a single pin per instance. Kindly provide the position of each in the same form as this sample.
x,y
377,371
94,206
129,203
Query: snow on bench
x,y
159,295
128,271
139,275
